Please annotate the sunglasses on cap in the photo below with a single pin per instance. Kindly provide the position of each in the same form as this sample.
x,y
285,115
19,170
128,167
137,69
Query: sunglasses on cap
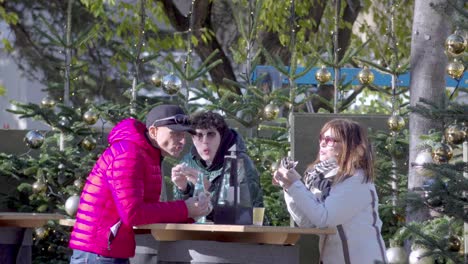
x,y
178,119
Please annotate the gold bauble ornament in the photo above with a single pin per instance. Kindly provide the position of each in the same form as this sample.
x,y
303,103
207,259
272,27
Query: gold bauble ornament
x,y
323,75
454,134
90,117
78,183
89,143
396,123
423,157
71,205
366,76
171,84
41,232
34,139
455,44
441,153
52,248
453,243
39,186
455,69
271,111
156,79
47,102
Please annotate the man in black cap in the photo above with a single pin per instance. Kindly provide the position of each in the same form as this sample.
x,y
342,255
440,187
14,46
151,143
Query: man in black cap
x,y
167,125
123,189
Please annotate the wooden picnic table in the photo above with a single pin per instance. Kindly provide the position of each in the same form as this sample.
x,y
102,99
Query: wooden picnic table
x,y
16,234
210,243
275,235
27,220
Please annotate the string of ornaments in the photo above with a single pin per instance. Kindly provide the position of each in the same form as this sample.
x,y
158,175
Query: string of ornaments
x,y
35,139
456,133
439,153
171,84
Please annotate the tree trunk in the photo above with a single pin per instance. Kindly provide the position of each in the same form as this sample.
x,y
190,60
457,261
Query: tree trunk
x,y
428,62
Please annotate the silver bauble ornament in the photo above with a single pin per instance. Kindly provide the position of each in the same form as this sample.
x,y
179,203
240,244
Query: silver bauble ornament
x,y
71,205
156,79
454,134
34,139
396,123
41,232
61,179
274,166
90,117
423,157
47,102
442,153
271,111
245,115
39,186
323,75
366,76
428,186
89,143
171,84
416,257
64,122
455,44
397,255
464,129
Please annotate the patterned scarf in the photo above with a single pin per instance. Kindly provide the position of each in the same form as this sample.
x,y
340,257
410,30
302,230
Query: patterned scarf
x,y
315,178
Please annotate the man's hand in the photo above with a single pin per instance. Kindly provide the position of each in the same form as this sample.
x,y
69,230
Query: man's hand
x,y
197,208
178,178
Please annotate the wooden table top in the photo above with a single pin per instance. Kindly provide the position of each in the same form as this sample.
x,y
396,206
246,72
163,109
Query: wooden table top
x,y
28,220
232,233
237,228
277,235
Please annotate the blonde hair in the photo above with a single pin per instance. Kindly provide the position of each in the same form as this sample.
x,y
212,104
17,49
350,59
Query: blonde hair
x,y
356,151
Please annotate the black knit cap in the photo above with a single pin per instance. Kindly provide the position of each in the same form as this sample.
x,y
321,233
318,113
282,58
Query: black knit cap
x,y
171,116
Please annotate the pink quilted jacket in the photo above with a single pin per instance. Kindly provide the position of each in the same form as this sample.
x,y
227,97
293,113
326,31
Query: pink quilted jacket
x,y
123,191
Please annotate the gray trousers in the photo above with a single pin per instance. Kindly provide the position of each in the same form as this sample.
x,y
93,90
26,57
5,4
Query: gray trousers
x,y
15,245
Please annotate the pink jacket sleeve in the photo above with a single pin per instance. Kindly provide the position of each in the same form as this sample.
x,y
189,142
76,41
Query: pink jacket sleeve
x,y
125,176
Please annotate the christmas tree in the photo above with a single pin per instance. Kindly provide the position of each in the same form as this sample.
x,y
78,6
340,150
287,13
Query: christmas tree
x,y
53,174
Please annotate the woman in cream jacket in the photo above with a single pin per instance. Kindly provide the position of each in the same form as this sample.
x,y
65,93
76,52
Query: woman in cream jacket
x,y
337,191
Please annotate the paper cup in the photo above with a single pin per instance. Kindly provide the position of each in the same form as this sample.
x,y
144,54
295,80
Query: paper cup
x,y
258,214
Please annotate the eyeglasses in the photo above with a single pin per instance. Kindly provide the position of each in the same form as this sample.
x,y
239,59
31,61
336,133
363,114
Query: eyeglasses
x,y
178,119
199,136
329,141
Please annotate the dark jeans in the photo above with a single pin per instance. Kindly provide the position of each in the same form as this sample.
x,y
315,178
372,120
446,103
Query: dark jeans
x,y
81,257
